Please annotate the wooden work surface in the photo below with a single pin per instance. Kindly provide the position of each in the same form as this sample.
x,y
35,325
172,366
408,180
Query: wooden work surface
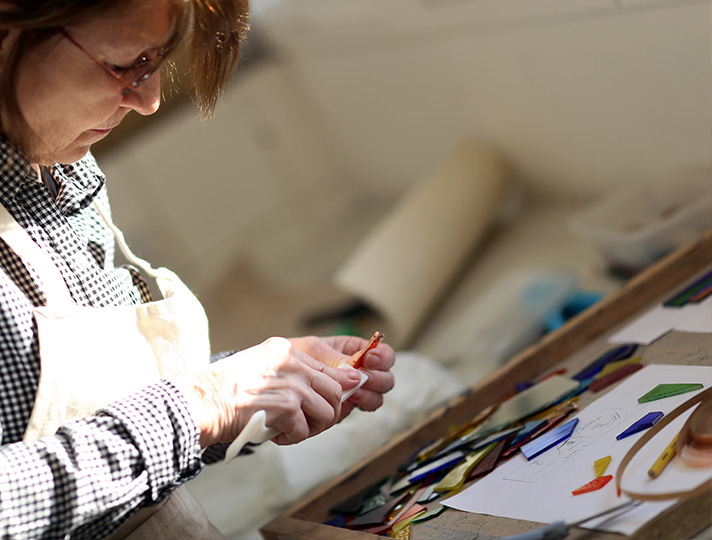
x,y
575,345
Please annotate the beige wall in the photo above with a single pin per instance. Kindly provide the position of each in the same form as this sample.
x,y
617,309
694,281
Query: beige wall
x,y
356,103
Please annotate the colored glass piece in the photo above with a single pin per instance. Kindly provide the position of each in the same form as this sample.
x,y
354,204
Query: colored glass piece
x,y
407,518
365,500
430,514
682,297
567,407
457,476
549,424
549,440
648,421
473,442
377,515
435,466
531,401
397,512
402,533
601,465
619,353
593,485
356,361
490,462
425,497
610,368
529,428
668,390
614,377
701,295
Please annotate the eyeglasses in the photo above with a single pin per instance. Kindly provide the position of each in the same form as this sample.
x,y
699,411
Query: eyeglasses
x,y
133,75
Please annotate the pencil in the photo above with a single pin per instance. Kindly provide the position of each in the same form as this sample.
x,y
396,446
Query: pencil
x,y
663,460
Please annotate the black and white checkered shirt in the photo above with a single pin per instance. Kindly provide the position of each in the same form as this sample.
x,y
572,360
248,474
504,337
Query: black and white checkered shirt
x,y
87,478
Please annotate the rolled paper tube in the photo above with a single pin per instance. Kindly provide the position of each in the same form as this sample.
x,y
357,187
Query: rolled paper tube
x,y
404,265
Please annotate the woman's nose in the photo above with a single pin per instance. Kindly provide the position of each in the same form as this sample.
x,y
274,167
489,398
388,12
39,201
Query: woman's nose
x,y
146,99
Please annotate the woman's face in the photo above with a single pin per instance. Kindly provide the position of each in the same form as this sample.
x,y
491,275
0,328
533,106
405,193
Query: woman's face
x,y
68,100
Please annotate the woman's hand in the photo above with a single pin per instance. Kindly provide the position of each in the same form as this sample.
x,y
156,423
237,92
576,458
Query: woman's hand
x,y
297,387
335,350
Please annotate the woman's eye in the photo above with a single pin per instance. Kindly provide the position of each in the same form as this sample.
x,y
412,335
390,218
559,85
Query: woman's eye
x,y
139,63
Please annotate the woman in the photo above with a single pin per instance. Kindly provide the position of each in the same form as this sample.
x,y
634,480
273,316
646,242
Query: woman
x,y
107,400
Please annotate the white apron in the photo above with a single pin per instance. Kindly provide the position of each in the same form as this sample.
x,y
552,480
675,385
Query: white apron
x,y
93,356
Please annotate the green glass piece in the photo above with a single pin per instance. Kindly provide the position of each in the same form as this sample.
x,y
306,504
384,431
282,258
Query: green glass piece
x,y
430,514
667,390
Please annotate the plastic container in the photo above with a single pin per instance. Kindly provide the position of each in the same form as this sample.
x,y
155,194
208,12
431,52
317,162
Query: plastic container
x,y
512,313
638,224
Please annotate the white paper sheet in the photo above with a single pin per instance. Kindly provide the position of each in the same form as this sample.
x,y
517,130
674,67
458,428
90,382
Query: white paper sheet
x,y
697,318
540,490
660,320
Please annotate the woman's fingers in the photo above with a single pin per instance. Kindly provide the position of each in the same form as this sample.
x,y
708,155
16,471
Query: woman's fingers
x,y
294,381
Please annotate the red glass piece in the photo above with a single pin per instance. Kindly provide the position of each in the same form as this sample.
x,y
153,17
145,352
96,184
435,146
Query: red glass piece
x,y
614,377
593,485
357,359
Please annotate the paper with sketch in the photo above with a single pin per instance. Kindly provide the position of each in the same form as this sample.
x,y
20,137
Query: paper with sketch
x,y
406,262
660,320
540,490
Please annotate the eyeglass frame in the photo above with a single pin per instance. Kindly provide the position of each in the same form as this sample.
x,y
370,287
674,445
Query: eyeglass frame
x,y
128,85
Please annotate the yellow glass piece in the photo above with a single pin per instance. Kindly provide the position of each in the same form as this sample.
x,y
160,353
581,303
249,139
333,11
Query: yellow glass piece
x,y
455,432
601,465
565,406
610,368
401,534
403,527
457,476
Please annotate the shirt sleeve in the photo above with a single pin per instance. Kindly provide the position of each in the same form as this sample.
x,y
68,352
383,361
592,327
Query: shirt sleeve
x,y
95,472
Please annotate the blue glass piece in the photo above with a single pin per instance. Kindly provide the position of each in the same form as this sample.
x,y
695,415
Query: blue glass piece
x,y
548,440
475,441
529,428
619,353
446,461
648,421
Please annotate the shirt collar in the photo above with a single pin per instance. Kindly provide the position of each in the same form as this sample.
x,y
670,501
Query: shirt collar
x,y
15,170
79,182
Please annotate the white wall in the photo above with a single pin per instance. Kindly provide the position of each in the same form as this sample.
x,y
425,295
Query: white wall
x,y
360,98
580,95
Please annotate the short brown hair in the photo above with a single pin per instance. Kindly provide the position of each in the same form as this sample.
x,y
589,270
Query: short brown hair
x,y
213,29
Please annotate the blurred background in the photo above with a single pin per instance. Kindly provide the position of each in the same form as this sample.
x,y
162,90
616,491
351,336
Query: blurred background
x,y
342,108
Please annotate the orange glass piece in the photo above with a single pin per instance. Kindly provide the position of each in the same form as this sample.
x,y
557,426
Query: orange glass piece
x,y
357,359
593,485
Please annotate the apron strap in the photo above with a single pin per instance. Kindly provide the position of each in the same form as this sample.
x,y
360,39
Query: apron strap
x,y
141,263
26,248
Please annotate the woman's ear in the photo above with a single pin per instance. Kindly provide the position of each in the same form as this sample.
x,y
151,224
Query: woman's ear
x,y
8,36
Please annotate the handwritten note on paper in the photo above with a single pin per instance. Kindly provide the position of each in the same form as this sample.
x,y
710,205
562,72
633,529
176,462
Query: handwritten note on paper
x,y
540,490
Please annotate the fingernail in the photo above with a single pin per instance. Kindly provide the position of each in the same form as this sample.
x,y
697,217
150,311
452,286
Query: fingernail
x,y
351,373
373,361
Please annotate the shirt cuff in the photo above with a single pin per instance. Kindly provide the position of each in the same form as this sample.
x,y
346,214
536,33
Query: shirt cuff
x,y
158,421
